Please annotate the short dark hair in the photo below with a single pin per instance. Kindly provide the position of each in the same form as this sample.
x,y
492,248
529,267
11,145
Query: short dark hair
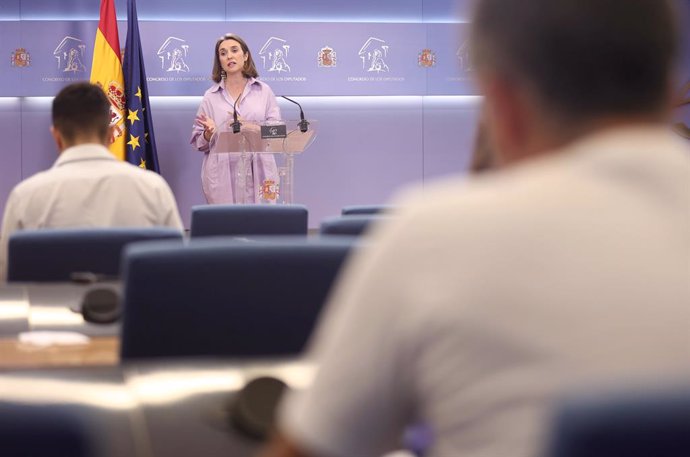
x,y
81,108
249,69
582,58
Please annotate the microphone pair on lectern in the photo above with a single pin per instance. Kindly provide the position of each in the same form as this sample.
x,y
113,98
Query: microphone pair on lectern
x,y
303,123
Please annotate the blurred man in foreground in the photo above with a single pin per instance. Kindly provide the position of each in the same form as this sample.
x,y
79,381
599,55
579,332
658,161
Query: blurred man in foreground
x,y
482,303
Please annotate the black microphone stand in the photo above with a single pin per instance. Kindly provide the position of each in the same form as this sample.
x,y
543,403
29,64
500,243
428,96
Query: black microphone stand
x,y
303,123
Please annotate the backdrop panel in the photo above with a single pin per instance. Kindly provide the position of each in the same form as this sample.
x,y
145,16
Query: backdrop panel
x,y
11,151
299,59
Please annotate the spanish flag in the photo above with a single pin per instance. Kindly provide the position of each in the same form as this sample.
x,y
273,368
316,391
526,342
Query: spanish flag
x,y
106,71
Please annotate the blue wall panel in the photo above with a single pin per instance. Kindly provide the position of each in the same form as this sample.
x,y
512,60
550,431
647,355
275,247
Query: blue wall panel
x,y
367,149
16,63
329,11
447,10
448,131
11,149
146,9
38,148
452,72
9,10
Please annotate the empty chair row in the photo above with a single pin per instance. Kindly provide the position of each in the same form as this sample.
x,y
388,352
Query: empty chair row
x,y
57,254
251,220
218,296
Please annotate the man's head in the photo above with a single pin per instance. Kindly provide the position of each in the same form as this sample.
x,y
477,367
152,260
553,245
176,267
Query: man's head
x,y
81,114
552,70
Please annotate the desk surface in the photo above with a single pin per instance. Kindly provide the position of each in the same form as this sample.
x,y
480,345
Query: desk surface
x,y
49,306
30,307
156,408
144,408
99,351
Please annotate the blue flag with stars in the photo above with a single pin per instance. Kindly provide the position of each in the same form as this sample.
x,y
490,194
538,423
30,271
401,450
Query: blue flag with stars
x,y
140,142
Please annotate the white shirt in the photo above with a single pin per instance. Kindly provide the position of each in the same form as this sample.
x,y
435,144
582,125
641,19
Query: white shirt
x,y
88,187
483,302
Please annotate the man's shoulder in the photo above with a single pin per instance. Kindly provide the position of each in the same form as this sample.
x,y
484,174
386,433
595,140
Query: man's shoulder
x,y
33,182
138,174
491,190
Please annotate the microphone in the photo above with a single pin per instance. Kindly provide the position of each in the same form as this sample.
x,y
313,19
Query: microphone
x,y
235,123
303,123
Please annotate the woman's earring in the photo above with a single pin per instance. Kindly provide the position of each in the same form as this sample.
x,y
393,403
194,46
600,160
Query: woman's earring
x,y
223,74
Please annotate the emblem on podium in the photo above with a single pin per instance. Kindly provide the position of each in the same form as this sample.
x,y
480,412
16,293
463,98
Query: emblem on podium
x,y
269,190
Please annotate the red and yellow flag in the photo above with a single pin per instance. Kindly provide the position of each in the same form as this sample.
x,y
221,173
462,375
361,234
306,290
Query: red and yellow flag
x,y
106,71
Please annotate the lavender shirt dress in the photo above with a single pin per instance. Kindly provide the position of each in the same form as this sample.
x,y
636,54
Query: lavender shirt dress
x,y
219,169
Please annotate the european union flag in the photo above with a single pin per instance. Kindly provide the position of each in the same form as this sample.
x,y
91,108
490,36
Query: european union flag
x,y
141,144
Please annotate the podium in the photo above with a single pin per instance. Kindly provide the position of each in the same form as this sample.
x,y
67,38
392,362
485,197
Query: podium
x,y
283,138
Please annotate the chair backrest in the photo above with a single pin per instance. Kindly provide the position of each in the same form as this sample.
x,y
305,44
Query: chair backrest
x,y
225,297
365,209
248,220
54,254
349,225
46,431
642,424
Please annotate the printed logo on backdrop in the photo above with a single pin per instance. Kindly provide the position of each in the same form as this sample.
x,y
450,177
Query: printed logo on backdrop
x,y
374,54
20,58
69,58
463,55
173,55
274,55
69,55
465,64
327,57
426,58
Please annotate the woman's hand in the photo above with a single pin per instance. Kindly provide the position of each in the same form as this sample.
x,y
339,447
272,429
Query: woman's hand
x,y
208,125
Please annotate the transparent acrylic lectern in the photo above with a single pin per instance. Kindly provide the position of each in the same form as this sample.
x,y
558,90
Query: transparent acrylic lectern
x,y
283,138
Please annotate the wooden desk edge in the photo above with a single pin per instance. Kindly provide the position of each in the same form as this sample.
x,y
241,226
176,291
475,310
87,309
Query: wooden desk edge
x,y
100,351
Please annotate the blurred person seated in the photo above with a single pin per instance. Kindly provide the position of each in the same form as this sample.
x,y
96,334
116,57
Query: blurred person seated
x,y
483,302
87,186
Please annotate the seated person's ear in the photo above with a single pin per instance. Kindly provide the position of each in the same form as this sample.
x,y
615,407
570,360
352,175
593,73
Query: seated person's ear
x,y
57,137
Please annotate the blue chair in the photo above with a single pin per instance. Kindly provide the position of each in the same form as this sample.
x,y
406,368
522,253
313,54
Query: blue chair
x,y
54,254
631,425
353,210
46,431
226,297
349,225
248,220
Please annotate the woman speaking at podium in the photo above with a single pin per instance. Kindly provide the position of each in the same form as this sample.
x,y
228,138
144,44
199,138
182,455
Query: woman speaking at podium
x,y
236,86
